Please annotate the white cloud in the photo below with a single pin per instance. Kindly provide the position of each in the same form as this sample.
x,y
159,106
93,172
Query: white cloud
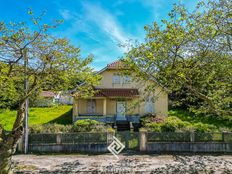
x,y
95,20
66,15
106,22
77,26
100,30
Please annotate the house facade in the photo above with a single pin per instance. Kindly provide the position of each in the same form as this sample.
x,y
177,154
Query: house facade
x,y
119,98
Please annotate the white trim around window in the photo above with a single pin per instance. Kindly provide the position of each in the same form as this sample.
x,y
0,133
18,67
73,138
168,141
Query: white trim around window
x,y
116,79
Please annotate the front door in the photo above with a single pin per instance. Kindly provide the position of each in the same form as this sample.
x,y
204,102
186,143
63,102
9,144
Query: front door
x,y
121,110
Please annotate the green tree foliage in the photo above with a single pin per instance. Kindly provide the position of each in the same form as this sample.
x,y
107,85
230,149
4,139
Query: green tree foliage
x,y
9,95
50,61
191,51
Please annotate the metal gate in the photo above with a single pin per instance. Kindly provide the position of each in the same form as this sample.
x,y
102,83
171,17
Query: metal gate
x,y
129,139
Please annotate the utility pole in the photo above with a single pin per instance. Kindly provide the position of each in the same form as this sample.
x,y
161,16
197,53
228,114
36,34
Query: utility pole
x,y
26,103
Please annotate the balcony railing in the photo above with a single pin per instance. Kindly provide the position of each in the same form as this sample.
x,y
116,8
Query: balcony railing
x,y
108,118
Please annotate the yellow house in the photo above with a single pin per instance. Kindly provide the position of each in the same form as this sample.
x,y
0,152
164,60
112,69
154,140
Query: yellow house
x,y
119,98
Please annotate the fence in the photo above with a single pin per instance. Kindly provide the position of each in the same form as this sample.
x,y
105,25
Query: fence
x,y
150,142
129,139
185,142
189,137
68,142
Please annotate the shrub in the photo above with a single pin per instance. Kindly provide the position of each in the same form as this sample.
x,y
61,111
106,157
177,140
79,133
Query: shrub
x,y
110,129
200,127
149,117
156,127
50,128
158,119
89,126
168,127
170,124
79,126
174,124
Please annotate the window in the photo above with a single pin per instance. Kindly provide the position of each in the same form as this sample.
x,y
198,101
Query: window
x,y
116,79
126,80
91,106
149,106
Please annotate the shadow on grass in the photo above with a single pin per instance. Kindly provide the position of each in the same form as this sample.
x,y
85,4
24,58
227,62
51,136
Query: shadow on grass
x,y
64,119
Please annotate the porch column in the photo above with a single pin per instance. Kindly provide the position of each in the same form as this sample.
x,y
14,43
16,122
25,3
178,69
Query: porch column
x,y
104,106
75,108
142,140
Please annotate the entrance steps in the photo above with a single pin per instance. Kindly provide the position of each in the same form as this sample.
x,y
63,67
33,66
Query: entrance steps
x,y
123,125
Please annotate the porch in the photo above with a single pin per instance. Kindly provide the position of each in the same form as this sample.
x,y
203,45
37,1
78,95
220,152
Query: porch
x,y
109,118
109,106
107,110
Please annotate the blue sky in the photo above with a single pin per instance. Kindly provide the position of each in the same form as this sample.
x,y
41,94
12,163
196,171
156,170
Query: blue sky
x,y
96,26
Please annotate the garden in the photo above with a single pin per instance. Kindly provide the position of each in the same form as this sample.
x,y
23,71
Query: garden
x,y
184,121
59,119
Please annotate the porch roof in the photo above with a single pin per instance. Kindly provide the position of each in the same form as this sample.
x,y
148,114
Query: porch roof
x,y
116,92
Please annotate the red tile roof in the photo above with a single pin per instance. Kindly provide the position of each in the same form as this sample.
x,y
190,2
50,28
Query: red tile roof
x,y
47,94
115,65
116,92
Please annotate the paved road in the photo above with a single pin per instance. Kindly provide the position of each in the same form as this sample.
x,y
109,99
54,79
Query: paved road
x,y
125,164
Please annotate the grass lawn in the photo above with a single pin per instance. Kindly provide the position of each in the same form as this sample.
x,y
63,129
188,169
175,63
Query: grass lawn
x,y
56,114
63,115
184,115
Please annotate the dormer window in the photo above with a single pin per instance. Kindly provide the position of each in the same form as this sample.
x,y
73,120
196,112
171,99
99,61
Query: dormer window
x,y
126,80
116,79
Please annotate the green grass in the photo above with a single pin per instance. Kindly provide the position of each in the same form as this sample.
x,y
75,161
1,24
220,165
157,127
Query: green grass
x,y
62,115
56,114
219,122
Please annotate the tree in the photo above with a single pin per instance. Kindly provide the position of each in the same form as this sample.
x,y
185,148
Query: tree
x,y
49,59
191,50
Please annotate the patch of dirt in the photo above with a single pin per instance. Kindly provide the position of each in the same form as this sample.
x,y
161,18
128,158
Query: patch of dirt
x,y
56,164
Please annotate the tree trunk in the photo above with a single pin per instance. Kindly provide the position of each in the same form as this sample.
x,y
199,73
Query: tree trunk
x,y
5,160
8,143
